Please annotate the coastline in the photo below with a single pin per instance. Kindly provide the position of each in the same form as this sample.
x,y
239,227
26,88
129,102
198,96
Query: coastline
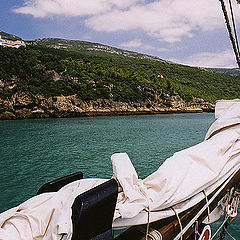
x,y
24,105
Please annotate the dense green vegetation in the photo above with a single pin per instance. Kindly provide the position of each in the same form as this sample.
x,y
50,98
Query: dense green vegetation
x,y
51,72
86,47
8,36
229,71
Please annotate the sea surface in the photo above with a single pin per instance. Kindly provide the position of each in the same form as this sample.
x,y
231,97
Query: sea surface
x,y
33,152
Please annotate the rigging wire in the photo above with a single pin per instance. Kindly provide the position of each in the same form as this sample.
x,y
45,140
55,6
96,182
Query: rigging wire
x,y
234,25
229,28
230,235
219,228
225,231
230,211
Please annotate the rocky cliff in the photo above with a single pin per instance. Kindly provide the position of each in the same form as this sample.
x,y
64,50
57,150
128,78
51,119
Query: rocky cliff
x,y
24,105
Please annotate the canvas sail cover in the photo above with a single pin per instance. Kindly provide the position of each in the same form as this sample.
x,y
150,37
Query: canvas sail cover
x,y
184,175
178,182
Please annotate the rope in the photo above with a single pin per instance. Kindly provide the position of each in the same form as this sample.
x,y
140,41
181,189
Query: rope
x,y
233,41
149,232
148,222
196,230
230,211
208,208
205,207
223,233
224,227
153,233
230,235
214,235
234,25
179,221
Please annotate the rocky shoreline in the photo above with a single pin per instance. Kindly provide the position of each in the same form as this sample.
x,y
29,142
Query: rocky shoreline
x,y
24,105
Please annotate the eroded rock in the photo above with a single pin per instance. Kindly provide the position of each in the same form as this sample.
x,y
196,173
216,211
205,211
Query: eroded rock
x,y
25,105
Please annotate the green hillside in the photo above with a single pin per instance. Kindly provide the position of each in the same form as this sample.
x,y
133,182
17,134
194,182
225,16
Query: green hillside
x,y
88,47
229,71
51,72
53,67
8,36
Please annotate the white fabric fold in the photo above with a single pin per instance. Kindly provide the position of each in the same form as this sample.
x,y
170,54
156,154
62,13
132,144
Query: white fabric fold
x,y
46,216
227,113
134,192
188,172
179,181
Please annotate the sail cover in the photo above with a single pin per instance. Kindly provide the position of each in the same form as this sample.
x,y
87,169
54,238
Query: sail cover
x,y
178,182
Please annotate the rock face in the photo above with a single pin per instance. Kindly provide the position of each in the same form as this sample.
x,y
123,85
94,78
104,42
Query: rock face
x,y
24,105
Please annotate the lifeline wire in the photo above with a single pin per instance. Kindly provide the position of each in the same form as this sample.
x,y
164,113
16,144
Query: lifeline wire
x,y
204,208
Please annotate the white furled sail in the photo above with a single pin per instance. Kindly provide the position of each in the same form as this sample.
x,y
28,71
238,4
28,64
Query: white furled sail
x,y
184,175
179,182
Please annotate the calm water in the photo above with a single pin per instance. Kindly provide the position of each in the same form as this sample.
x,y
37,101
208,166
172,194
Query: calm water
x,y
36,151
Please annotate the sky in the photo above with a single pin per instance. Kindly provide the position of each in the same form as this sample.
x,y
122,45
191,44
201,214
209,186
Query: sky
x,y
190,32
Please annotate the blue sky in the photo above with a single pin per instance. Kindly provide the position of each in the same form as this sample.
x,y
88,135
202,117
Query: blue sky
x,y
185,31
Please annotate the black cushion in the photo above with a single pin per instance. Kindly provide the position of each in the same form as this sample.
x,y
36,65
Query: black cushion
x,y
57,184
92,212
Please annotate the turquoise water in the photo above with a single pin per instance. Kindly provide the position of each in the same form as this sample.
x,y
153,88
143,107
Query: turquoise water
x,y
36,151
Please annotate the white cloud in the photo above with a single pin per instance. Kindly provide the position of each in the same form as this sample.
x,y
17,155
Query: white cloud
x,y
165,20
208,59
72,8
136,43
